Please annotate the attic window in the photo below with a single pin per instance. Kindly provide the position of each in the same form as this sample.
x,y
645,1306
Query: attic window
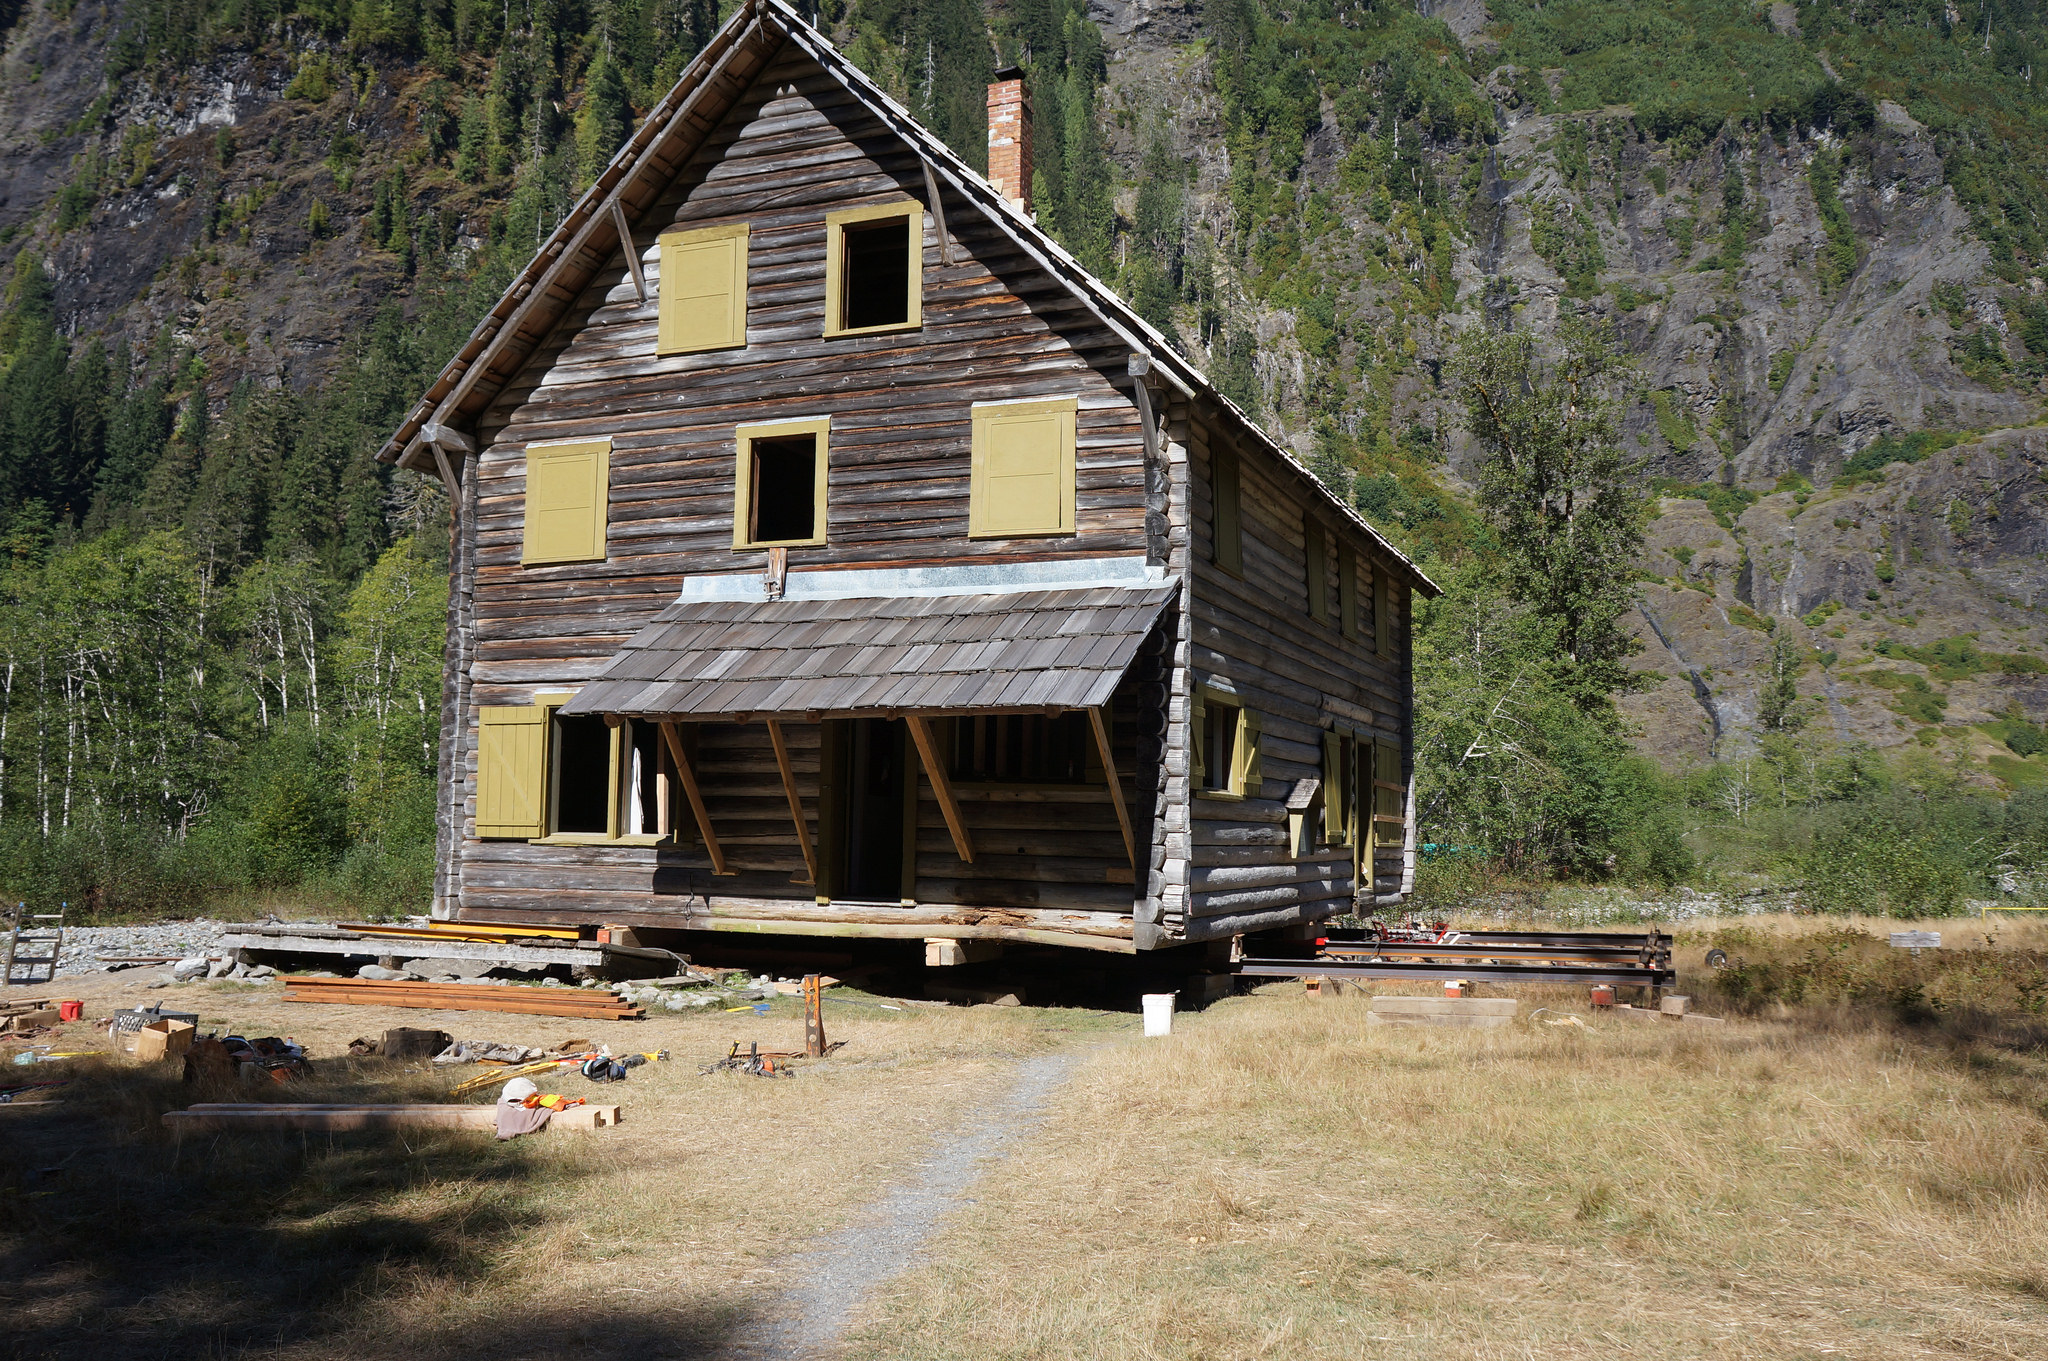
x,y
874,269
779,487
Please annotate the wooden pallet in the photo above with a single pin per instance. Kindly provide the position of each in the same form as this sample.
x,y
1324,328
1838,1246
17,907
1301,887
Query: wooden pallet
x,y
366,992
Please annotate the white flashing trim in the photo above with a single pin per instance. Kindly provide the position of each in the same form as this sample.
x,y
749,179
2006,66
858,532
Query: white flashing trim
x,y
995,578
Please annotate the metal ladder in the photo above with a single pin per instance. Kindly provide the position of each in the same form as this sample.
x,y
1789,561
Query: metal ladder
x,y
43,934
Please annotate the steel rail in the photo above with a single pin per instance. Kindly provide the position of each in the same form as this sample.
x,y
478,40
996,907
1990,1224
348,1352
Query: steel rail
x,y
1506,973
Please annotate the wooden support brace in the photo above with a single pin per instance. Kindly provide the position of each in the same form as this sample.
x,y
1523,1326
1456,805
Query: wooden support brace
x,y
1140,370
931,191
1116,789
449,480
796,804
927,752
696,797
632,251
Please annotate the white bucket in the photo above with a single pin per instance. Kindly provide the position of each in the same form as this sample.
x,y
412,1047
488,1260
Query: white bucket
x,y
1159,1013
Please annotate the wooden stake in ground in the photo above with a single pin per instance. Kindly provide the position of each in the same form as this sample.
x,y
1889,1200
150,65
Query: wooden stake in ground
x,y
814,1016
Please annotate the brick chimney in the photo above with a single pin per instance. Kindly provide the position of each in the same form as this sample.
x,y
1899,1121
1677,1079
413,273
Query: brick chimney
x,y
1009,137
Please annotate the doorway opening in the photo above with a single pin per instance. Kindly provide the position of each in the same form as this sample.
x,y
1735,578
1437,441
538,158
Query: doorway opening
x,y
876,773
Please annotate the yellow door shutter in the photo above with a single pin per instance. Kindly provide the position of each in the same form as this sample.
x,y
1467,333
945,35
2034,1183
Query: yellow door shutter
x,y
1021,474
511,754
1251,766
1389,794
567,487
1334,803
703,290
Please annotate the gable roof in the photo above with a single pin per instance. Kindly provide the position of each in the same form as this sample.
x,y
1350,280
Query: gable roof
x,y
582,246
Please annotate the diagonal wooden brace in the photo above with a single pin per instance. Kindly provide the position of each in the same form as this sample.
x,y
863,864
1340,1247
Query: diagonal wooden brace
x,y
796,804
696,797
1116,789
935,771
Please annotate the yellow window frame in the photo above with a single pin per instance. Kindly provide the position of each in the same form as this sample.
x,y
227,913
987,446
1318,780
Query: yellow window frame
x,y
1247,765
744,437
836,224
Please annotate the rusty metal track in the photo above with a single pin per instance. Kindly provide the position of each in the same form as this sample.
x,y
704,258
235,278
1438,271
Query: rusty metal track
x,y
1498,956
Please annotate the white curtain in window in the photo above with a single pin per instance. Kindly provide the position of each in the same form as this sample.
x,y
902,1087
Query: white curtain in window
x,y
636,813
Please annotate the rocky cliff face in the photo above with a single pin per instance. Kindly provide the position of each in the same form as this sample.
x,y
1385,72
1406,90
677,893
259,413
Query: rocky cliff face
x,y
1782,370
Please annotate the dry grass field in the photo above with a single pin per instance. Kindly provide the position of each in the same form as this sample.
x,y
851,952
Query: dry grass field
x,y
1826,1178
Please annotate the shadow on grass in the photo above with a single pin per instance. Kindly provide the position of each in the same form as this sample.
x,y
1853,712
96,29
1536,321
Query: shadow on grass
x,y
118,1241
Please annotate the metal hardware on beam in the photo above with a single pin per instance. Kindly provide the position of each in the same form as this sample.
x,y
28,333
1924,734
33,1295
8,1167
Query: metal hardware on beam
x,y
927,752
696,798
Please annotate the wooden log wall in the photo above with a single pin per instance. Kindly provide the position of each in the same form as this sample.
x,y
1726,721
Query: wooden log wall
x,y
1301,675
995,327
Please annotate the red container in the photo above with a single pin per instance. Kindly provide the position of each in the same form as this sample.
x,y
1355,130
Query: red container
x,y
1603,994
70,1009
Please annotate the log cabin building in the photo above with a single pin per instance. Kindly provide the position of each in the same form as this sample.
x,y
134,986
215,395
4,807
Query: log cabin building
x,y
834,556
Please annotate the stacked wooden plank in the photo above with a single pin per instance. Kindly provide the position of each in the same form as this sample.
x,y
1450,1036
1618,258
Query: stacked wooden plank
x,y
490,932
594,1005
257,1117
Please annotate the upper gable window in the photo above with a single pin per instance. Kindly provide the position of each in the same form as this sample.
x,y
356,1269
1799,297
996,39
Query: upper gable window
x,y
702,290
566,493
1021,469
874,269
779,485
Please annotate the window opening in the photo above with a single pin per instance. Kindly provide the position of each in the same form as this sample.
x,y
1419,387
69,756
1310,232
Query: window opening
x,y
1022,749
783,498
876,287
1219,745
583,773
644,811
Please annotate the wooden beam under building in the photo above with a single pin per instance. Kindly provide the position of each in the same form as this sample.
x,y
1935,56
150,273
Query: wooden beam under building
x,y
927,752
696,797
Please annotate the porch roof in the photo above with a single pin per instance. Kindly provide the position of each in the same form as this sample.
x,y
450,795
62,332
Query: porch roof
x,y
1017,650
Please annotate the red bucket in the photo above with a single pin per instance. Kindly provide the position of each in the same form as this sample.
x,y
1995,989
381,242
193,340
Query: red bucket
x,y
70,1009
1603,995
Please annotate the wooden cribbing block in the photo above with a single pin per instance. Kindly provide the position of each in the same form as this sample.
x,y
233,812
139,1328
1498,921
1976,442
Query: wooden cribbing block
x,y
1471,1013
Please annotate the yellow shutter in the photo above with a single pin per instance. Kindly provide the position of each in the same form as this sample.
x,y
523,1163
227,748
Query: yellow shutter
x,y
566,491
1333,788
1251,768
1382,614
703,290
511,753
1021,478
1226,523
1389,794
1347,590
1313,554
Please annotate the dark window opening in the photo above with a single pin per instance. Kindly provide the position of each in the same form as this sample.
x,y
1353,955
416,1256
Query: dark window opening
x,y
1022,749
1219,746
784,497
875,274
583,766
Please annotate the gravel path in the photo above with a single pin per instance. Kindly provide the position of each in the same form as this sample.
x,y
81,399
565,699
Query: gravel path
x,y
840,1273
179,940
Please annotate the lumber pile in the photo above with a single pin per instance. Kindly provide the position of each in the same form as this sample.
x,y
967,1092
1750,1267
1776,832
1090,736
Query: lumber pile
x,y
218,1117
495,933
593,1005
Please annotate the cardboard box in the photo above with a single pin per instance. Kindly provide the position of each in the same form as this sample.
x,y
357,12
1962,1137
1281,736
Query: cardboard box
x,y
160,1040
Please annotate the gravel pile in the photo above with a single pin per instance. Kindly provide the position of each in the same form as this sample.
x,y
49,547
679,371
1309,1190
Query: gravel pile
x,y
174,940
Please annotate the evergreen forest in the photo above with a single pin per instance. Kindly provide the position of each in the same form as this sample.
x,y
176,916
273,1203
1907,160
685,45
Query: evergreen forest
x,y
221,639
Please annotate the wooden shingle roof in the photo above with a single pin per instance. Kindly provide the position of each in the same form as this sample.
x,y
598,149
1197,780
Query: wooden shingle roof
x,y
1017,651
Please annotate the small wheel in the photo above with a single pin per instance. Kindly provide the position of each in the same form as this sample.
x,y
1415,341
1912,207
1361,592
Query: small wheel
x,y
1717,959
